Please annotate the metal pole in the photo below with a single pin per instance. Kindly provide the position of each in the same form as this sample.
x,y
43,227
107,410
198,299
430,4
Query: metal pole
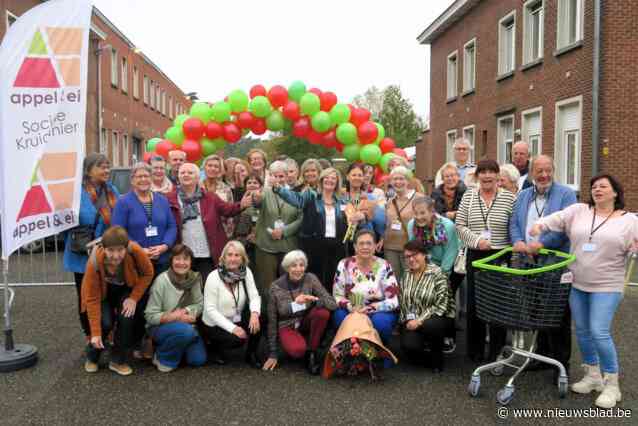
x,y
8,333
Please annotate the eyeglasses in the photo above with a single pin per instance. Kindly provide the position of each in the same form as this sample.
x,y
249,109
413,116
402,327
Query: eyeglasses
x,y
408,255
461,149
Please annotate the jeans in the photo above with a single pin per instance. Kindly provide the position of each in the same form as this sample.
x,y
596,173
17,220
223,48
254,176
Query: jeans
x,y
593,314
383,322
433,330
84,319
175,340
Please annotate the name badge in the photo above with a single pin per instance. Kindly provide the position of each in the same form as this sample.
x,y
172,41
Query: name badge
x,y
254,218
297,307
410,316
396,226
486,235
151,231
589,247
236,318
342,208
279,224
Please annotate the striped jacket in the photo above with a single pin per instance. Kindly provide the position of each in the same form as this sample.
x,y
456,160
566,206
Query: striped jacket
x,y
426,295
474,217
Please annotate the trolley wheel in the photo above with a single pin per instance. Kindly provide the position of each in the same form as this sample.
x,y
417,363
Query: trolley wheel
x,y
474,386
562,387
505,395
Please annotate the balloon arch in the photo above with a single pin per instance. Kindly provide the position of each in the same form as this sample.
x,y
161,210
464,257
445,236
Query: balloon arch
x,y
311,114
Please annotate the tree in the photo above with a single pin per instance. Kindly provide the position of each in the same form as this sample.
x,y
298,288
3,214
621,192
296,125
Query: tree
x,y
372,100
299,149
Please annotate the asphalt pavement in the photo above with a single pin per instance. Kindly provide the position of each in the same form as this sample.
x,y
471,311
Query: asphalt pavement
x,y
57,391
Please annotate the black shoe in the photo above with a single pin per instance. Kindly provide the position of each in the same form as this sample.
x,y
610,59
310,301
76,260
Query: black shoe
x,y
218,358
252,360
313,364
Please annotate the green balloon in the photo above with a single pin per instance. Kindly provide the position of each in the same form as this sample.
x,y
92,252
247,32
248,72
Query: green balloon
x,y
371,154
385,159
310,104
351,152
321,122
220,112
152,143
175,135
200,110
238,100
347,133
179,120
275,121
340,114
296,90
220,143
381,130
260,106
209,147
287,126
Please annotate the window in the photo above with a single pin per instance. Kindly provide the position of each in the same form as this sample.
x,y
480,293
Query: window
x,y
152,97
11,18
505,128
452,75
136,83
450,137
124,75
507,44
468,135
532,130
116,150
125,152
170,107
146,90
158,98
469,66
114,67
163,102
568,141
532,31
570,22
103,142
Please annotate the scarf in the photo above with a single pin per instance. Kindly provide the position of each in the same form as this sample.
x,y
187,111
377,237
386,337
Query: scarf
x,y
104,199
433,235
190,205
164,188
232,277
184,283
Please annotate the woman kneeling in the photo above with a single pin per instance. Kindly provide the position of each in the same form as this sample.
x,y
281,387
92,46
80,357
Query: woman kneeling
x,y
175,303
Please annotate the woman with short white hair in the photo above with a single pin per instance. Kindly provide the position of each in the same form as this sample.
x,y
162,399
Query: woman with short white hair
x,y
298,313
293,172
508,178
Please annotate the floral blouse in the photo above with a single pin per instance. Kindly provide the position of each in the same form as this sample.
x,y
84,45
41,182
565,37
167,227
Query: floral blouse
x,y
378,288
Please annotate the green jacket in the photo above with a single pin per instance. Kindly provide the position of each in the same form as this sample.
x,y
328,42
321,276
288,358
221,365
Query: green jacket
x,y
271,209
164,297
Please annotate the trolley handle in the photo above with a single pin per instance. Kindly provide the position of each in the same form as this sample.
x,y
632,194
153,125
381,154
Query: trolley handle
x,y
485,265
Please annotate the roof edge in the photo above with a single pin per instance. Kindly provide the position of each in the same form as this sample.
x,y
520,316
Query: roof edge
x,y
441,23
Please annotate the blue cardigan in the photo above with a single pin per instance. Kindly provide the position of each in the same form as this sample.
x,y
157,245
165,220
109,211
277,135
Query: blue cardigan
x,y
560,197
130,214
442,255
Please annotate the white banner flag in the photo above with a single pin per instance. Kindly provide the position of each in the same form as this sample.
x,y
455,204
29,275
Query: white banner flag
x,y
43,72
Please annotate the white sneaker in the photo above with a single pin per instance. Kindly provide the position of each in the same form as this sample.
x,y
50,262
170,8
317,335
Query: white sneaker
x,y
90,367
160,367
611,392
590,382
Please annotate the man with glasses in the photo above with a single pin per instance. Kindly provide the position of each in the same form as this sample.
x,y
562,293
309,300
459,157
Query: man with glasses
x,y
462,150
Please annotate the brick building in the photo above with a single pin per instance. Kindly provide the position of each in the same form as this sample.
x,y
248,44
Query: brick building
x,y
129,98
559,74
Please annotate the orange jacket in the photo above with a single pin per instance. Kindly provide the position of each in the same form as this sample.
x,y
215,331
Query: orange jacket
x,y
138,274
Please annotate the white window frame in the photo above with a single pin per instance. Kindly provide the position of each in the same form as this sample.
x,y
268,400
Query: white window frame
x,y
528,47
503,149
449,147
10,19
469,76
124,74
146,89
170,107
452,91
560,147
114,67
158,98
163,102
501,27
471,140
125,151
115,144
103,142
151,101
525,131
563,23
136,82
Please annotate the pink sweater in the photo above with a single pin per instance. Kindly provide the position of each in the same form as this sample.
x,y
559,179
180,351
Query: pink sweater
x,y
604,269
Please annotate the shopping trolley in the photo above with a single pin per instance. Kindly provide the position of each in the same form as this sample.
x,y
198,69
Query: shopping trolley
x,y
524,294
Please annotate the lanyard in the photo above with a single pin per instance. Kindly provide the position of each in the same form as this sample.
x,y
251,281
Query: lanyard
x,y
278,208
541,211
235,299
593,221
290,290
399,210
483,215
149,214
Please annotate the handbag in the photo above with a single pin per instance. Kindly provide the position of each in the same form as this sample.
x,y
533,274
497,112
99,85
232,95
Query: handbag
x,y
460,263
81,236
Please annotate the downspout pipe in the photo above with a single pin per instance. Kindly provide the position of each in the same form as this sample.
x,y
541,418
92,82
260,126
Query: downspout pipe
x,y
595,114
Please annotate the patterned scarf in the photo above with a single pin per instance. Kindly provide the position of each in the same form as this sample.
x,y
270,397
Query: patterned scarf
x,y
190,205
433,235
103,199
184,283
232,277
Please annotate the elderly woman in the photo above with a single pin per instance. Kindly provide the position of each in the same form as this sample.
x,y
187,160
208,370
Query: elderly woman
x,y
398,212
602,234
214,182
448,195
240,174
323,224
117,276
293,172
360,205
232,306
367,284
245,231
298,313
97,200
199,216
509,177
368,184
258,161
482,222
309,175
159,181
413,183
427,307
173,307
229,170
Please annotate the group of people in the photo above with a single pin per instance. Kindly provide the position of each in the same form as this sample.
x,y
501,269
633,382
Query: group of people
x,y
193,263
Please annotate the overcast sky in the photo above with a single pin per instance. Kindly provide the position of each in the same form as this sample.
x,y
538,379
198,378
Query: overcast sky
x,y
344,46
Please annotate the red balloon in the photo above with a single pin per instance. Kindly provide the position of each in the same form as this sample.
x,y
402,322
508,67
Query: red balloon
x,y
359,116
330,139
245,120
314,138
339,146
148,155
352,108
315,91
192,149
301,127
367,132
291,111
328,100
387,145
257,90
164,147
232,132
379,176
278,96
400,152
214,130
259,126
193,129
